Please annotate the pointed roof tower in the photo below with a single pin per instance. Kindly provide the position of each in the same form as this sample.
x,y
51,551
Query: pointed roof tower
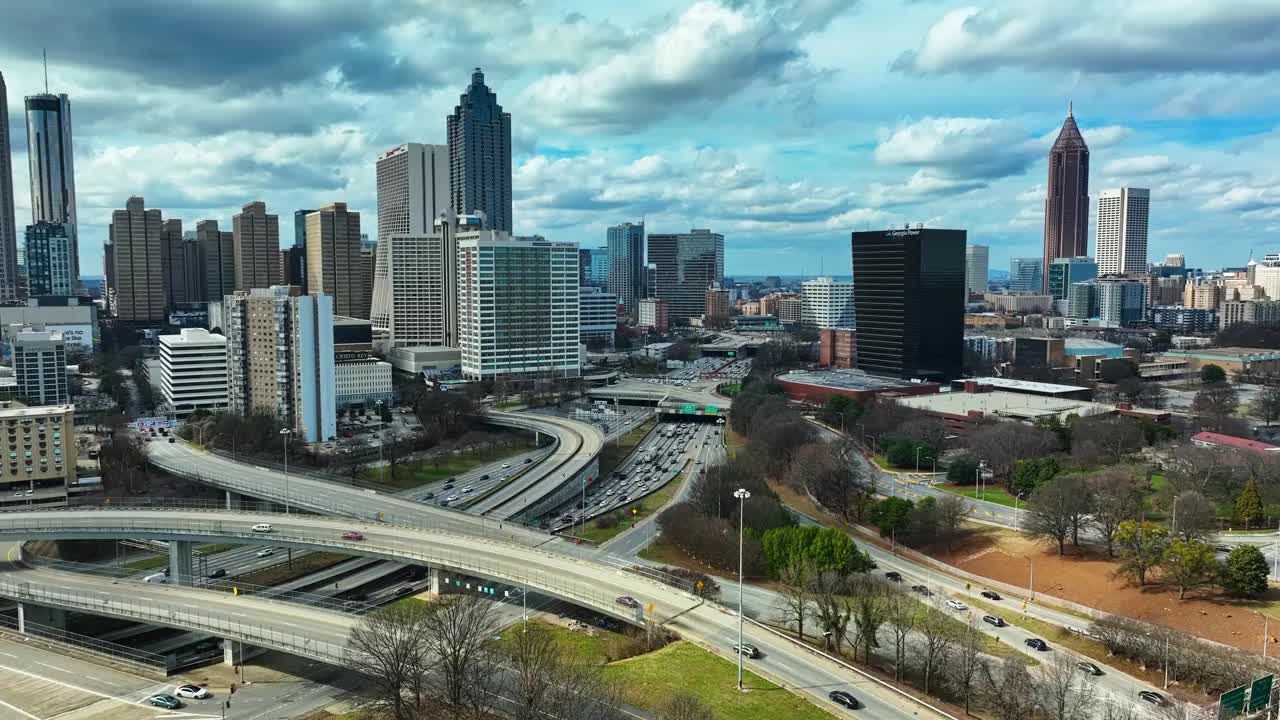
x,y
1066,207
1069,138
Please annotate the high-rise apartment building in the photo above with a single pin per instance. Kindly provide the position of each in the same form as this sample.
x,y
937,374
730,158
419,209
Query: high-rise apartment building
x,y
715,312
593,267
8,220
39,366
654,314
193,371
334,264
1205,295
280,358
1121,302
790,310
1254,311
52,166
625,249
909,324
1024,274
480,156
827,303
48,259
687,264
174,249
217,254
597,317
1066,205
1121,242
255,238
517,306
415,299
1266,275
136,284
413,189
976,266
1063,272
41,451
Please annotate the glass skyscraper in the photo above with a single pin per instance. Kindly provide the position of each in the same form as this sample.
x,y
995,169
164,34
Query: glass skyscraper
x,y
626,278
480,156
53,181
686,265
1025,274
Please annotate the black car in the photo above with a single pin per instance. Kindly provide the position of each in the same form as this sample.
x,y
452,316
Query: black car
x,y
842,698
484,477
993,620
894,575
991,595
528,461
1036,644
1152,697
922,590
428,496
220,572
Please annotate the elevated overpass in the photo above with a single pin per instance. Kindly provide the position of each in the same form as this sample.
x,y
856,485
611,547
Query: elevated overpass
x,y
576,461
323,634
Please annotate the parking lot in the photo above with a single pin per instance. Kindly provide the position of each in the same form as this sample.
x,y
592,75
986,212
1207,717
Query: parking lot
x,y
709,367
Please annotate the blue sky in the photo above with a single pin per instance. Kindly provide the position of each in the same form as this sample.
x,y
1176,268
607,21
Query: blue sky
x,y
783,125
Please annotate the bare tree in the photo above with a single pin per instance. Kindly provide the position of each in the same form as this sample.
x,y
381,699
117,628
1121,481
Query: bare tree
x,y
938,632
1108,439
1010,690
548,681
901,615
830,608
868,608
1215,404
1055,509
796,596
1065,693
1202,469
388,647
1117,497
1003,444
684,705
1194,517
459,634
952,512
967,661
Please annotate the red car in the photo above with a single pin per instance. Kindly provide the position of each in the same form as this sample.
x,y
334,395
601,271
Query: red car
x,y
352,535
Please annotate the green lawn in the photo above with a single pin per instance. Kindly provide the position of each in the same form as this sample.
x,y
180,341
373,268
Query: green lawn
x,y
634,512
150,563
416,474
733,442
215,549
993,493
650,679
731,390
590,648
411,601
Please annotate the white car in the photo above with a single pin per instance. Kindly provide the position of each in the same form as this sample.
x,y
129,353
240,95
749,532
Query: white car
x,y
506,465
264,552
193,692
451,498
467,489
262,528
957,605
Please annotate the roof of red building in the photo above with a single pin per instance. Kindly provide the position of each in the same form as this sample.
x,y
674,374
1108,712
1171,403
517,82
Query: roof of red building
x,y
1213,438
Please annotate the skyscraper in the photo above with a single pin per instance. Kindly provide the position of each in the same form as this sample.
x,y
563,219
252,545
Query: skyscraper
x,y
413,188
48,259
626,264
1064,272
217,259
687,264
174,250
517,306
909,324
256,247
826,303
136,285
976,264
1121,244
480,156
8,223
53,181
1066,205
1025,274
334,264
593,267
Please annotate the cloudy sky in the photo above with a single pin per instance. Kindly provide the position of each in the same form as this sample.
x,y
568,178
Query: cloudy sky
x,y
782,124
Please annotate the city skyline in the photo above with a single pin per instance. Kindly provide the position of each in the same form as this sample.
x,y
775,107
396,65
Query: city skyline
x,y
957,140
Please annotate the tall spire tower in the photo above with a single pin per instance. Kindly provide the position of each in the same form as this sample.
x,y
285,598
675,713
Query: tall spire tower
x,y
1066,205
480,156
8,226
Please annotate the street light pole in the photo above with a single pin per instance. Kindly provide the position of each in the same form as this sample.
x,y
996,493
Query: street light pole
x,y
1016,498
284,435
742,496
918,449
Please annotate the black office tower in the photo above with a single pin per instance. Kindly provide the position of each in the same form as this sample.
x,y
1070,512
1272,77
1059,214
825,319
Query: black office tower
x,y
909,322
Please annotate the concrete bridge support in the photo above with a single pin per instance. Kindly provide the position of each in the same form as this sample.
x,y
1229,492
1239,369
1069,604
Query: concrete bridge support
x,y
180,572
39,615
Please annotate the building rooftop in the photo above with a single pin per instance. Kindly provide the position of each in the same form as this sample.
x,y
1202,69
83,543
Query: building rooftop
x,y
193,336
1229,352
839,379
17,409
998,403
1027,386
1089,344
1212,438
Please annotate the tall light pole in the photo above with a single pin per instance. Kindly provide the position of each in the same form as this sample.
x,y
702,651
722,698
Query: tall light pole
x,y
1016,498
284,435
918,449
742,496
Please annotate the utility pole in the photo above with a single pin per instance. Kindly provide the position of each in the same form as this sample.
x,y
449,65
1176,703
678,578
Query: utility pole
x,y
742,495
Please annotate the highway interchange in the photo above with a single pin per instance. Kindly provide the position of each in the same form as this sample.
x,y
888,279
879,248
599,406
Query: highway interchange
x,y
553,567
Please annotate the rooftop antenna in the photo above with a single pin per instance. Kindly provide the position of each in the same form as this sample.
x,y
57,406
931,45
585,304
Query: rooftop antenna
x,y
44,53
1069,110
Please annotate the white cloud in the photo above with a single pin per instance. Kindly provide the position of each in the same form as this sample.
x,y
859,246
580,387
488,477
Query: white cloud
x,y
972,147
1139,165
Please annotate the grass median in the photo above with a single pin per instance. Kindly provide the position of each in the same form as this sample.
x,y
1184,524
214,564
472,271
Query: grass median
x,y
992,494
423,472
633,513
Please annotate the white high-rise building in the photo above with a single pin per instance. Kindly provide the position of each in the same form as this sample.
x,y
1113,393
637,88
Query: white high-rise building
x,y
39,366
413,189
193,371
415,285
517,306
1121,244
826,303
976,261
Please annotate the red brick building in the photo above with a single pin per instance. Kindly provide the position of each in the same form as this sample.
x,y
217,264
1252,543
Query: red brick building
x,y
837,348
